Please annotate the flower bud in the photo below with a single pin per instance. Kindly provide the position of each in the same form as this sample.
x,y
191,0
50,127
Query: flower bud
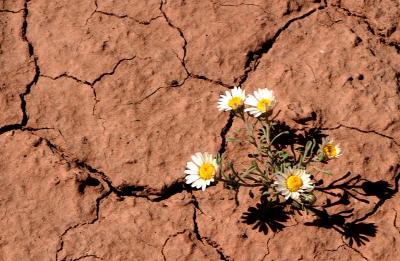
x,y
308,199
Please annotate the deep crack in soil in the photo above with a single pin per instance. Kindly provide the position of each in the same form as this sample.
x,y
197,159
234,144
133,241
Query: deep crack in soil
x,y
149,86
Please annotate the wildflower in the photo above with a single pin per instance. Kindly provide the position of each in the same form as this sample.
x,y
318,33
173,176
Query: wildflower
x,y
329,149
293,183
261,102
201,170
232,99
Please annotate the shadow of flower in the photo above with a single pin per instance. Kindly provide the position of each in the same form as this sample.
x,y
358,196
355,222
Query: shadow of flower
x,y
359,232
265,217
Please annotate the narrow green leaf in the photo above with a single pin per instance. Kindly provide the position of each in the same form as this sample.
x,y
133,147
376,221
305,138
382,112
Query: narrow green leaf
x,y
229,139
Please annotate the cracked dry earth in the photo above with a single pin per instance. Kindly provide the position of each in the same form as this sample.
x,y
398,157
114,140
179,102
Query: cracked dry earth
x,y
103,102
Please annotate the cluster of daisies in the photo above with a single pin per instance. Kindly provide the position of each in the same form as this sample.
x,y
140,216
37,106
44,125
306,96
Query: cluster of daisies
x,y
293,183
258,104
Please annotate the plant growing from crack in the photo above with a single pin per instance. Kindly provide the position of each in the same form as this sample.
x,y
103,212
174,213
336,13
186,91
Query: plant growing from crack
x,y
283,164
279,172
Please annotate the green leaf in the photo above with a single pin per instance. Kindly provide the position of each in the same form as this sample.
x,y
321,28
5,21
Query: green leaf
x,y
280,134
239,130
218,158
229,139
327,172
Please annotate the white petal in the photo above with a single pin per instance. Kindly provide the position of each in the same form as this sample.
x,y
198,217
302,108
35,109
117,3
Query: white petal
x,y
258,94
220,105
203,188
191,178
280,179
251,100
191,172
249,110
295,195
222,99
235,92
209,157
198,183
307,187
241,94
253,111
197,159
202,157
267,94
228,95
224,108
190,165
281,188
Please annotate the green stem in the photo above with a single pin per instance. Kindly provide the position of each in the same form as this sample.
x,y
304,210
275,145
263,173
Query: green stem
x,y
277,136
240,184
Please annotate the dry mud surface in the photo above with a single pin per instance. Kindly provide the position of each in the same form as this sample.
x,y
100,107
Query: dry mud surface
x,y
103,102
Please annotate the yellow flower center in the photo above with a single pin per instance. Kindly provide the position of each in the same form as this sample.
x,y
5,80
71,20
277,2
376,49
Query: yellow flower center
x,y
294,183
329,150
263,104
207,171
235,102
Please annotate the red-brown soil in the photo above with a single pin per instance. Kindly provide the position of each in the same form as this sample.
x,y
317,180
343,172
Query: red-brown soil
x,y
103,102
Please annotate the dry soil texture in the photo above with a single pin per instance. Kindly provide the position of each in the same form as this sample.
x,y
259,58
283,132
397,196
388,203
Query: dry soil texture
x,y
103,102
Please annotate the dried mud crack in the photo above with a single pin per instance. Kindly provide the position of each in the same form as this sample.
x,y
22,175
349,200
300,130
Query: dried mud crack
x,y
92,83
86,256
363,131
395,220
11,11
253,57
184,47
103,102
29,86
370,28
135,191
204,239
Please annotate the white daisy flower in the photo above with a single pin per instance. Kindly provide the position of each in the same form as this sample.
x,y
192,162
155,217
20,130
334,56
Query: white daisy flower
x,y
261,102
293,183
330,149
201,170
232,99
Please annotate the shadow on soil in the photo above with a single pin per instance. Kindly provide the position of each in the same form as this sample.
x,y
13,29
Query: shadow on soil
x,y
271,216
